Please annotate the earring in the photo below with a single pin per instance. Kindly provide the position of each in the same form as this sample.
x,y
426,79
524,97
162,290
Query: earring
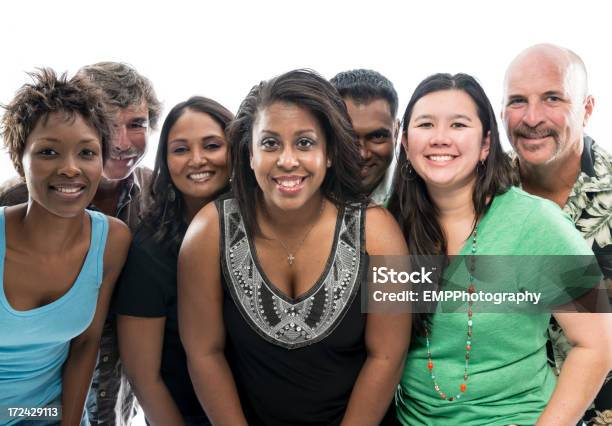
x,y
407,171
328,163
171,194
481,167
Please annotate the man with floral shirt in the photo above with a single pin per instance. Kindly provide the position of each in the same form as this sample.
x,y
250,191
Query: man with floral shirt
x,y
545,109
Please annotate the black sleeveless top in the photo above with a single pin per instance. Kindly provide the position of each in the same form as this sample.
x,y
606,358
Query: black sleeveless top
x,y
294,361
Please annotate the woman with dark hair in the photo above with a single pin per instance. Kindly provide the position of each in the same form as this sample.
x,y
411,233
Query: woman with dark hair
x,y
58,261
191,169
269,278
455,197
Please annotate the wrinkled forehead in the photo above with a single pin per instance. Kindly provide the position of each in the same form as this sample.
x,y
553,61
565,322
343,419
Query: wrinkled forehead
x,y
539,74
131,112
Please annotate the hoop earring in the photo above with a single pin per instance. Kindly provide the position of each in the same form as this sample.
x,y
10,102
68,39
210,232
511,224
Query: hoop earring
x,y
481,167
407,172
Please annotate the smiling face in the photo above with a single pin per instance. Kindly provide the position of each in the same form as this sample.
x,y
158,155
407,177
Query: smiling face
x,y
129,142
545,107
444,139
197,156
62,164
376,129
288,155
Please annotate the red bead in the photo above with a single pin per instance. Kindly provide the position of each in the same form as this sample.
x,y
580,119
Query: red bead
x,y
471,289
468,347
463,387
430,365
442,395
470,312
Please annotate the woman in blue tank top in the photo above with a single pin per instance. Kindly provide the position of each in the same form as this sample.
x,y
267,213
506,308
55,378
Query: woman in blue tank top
x,y
58,261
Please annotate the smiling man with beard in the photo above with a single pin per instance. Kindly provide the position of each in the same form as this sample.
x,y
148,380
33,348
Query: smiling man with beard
x,y
121,193
545,109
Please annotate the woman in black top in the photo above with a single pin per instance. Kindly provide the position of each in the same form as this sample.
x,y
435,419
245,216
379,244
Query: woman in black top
x,y
269,278
191,169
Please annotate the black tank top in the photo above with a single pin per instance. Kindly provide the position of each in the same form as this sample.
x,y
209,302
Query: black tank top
x,y
294,361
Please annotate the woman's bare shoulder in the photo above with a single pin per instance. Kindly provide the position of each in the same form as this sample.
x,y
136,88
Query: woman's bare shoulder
x,y
383,234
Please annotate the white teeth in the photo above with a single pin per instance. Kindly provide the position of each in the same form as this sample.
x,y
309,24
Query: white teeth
x,y
289,183
68,189
440,157
199,176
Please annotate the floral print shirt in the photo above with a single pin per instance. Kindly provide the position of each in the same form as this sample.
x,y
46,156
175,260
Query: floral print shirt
x,y
590,207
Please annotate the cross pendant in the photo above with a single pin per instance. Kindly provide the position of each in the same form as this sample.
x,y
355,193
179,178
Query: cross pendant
x,y
290,259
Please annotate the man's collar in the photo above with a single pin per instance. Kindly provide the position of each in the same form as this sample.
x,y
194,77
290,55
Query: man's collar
x,y
587,162
130,187
382,192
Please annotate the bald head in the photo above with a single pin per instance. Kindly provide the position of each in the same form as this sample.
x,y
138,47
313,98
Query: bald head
x,y
546,104
551,58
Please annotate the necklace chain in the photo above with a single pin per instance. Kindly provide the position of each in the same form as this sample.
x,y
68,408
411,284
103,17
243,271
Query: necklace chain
x,y
291,256
468,343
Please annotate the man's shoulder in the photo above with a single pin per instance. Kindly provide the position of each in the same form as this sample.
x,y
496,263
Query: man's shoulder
x,y
602,160
13,191
142,177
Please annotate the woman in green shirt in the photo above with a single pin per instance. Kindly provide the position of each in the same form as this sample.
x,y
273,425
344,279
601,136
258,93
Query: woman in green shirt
x,y
455,197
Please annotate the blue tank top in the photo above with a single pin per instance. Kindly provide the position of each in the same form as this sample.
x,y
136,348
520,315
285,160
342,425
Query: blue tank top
x,y
34,344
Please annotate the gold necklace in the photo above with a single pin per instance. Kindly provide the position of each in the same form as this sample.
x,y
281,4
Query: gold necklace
x,y
291,256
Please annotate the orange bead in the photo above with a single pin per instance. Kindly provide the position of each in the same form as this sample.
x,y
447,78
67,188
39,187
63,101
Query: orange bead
x,y
430,365
463,387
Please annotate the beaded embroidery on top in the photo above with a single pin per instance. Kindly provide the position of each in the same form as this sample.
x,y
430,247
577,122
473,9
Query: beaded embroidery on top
x,y
286,322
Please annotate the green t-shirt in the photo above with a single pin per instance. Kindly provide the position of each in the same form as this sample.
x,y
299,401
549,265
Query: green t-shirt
x,y
510,381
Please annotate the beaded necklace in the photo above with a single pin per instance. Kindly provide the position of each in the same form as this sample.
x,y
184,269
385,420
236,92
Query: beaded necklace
x,y
468,343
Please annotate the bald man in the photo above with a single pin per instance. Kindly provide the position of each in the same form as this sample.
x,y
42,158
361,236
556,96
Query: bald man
x,y
546,107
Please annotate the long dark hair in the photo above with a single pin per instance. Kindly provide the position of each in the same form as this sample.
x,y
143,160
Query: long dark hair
x,y
166,215
306,89
410,203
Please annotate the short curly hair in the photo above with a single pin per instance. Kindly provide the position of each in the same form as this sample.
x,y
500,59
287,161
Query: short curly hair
x,y
124,87
46,94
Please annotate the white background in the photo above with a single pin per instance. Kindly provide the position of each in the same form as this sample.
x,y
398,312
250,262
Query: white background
x,y
222,50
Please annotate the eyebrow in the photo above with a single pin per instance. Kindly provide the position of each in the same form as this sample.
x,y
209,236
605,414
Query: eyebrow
x,y
554,92
53,140
298,132
463,116
381,131
204,139
139,120
454,116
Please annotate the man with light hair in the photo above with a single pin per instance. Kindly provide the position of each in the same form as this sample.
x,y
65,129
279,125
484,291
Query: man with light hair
x,y
546,106
122,193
